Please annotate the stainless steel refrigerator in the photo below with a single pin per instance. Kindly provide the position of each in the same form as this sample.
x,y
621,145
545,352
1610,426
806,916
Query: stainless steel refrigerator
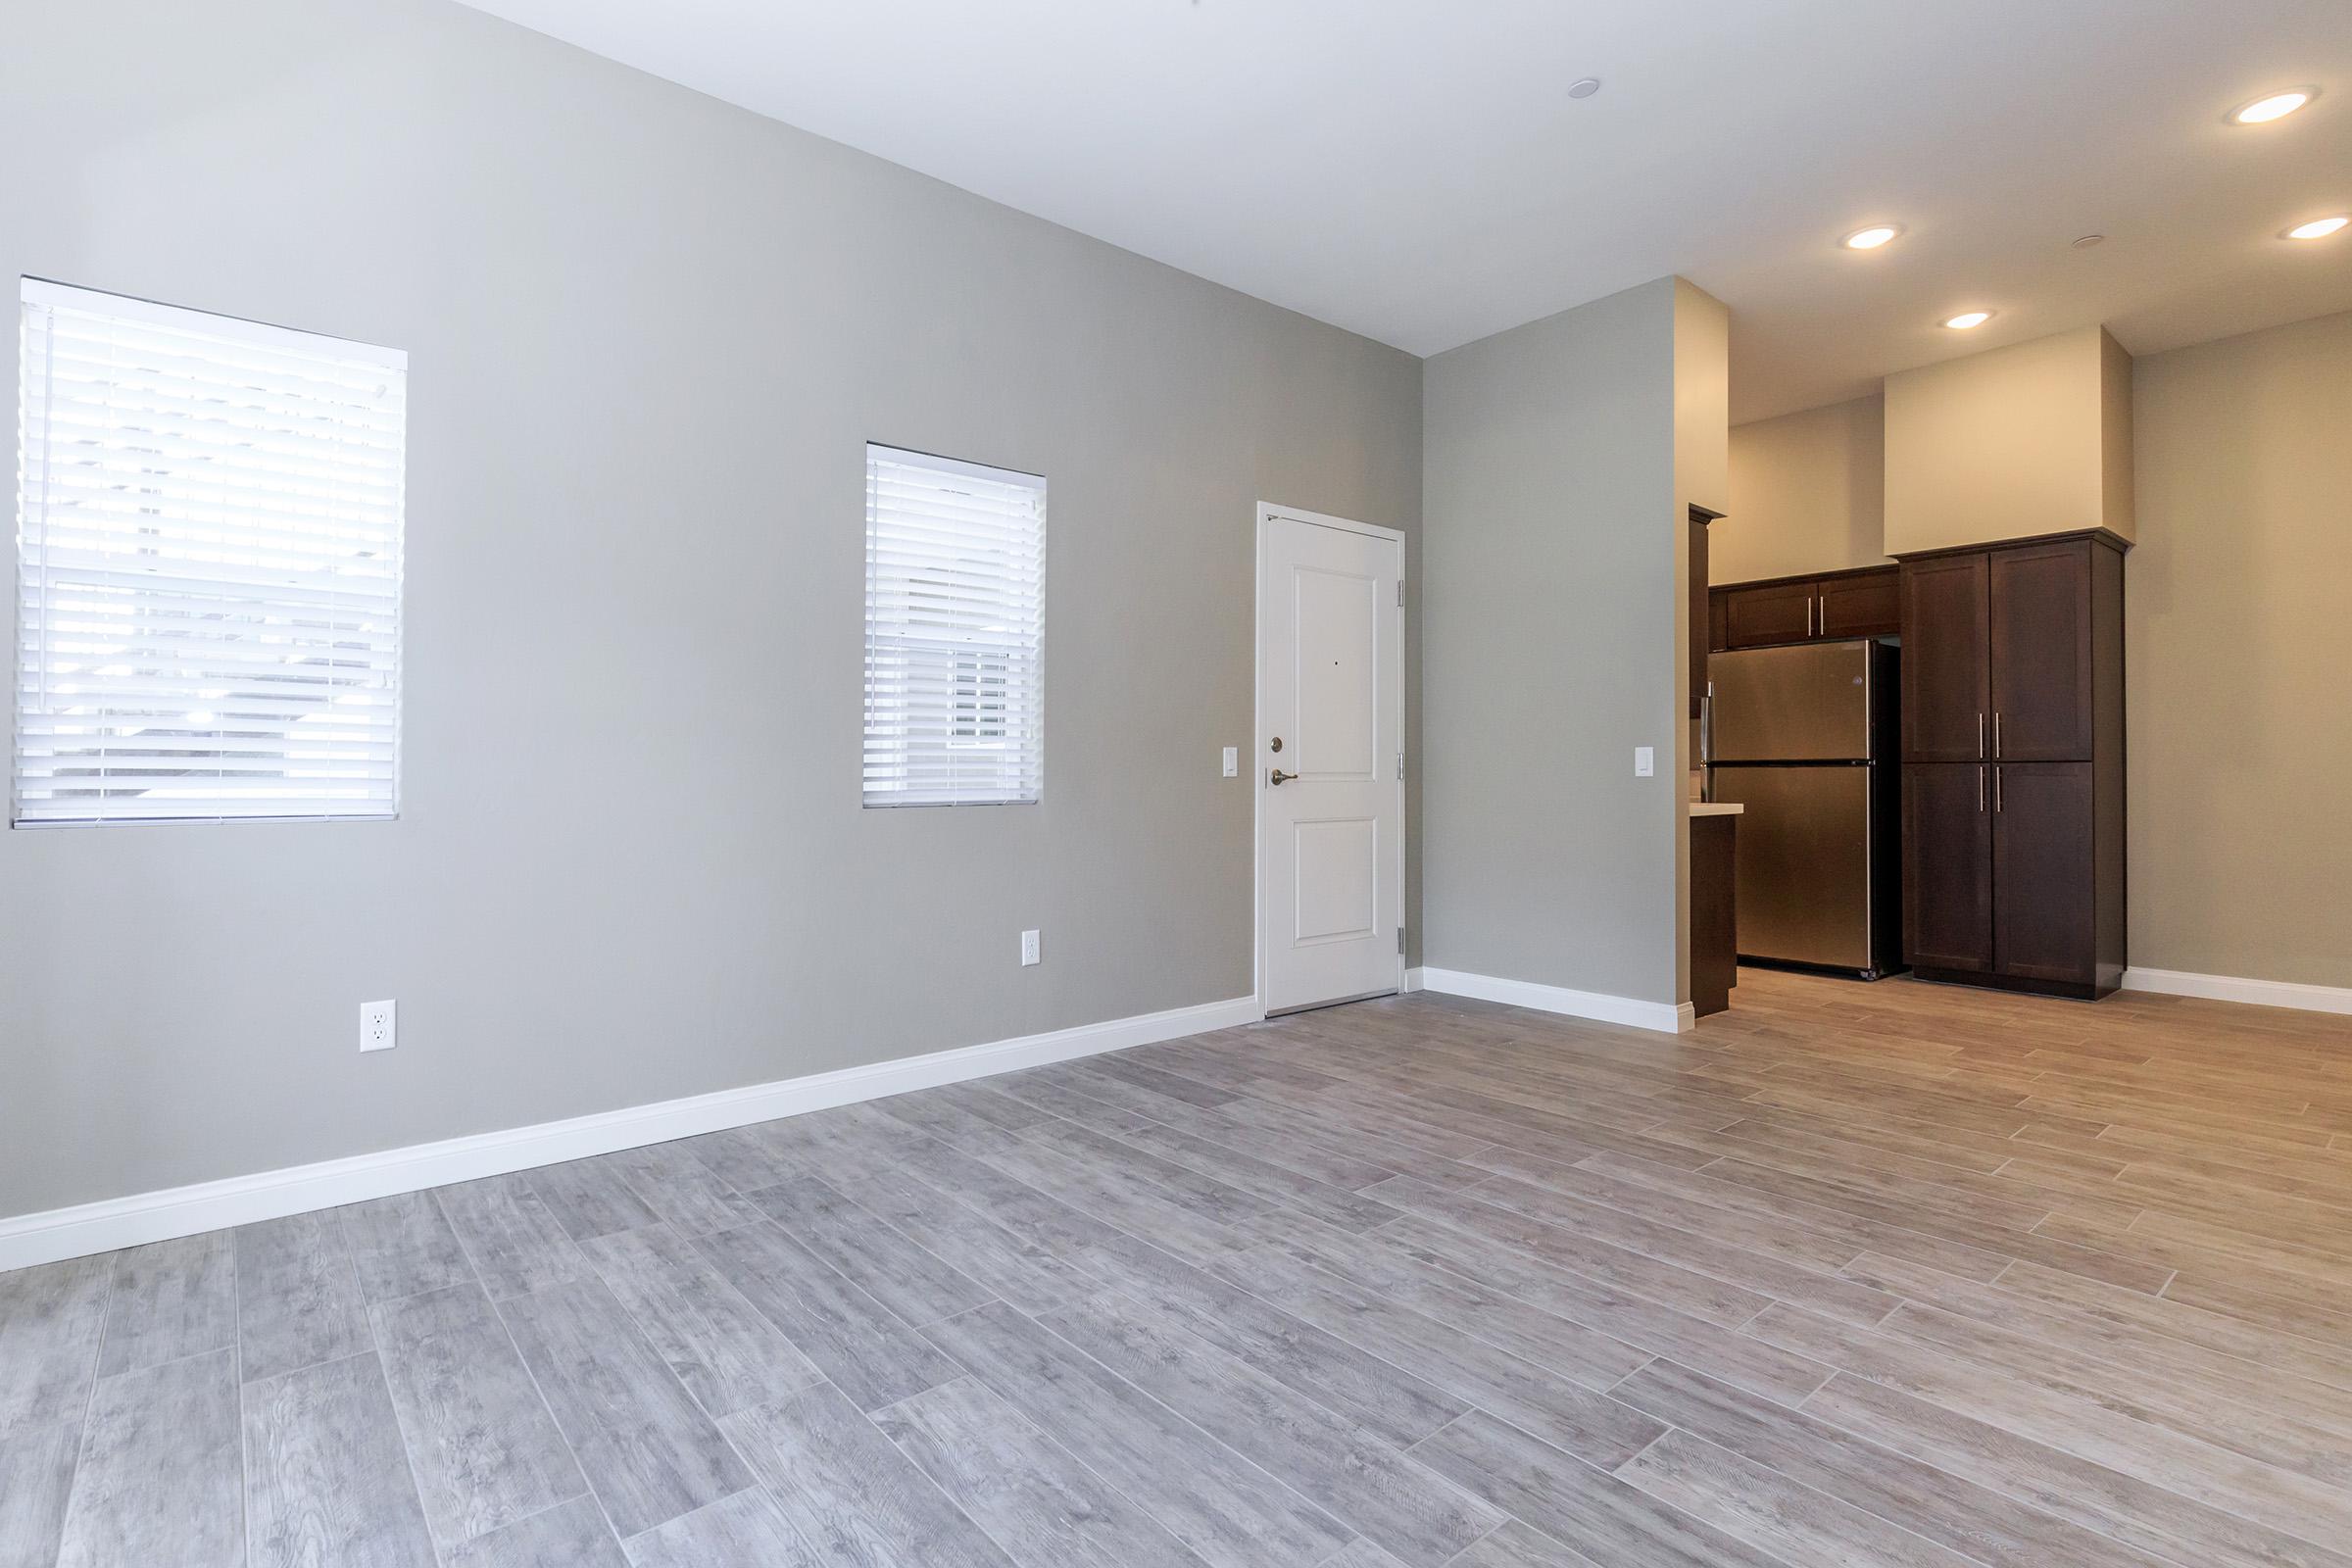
x,y
1804,738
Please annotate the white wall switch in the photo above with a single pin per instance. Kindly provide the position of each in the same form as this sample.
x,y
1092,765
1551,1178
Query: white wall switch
x,y
1031,950
1233,761
376,1026
1645,762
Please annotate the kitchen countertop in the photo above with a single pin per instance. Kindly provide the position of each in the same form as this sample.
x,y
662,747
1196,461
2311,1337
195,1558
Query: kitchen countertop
x,y
1716,809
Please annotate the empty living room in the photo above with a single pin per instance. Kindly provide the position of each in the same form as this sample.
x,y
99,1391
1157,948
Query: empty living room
x,y
1177,784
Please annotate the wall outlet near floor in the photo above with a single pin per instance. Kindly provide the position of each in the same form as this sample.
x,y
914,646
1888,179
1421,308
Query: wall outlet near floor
x,y
1031,949
1645,762
376,1026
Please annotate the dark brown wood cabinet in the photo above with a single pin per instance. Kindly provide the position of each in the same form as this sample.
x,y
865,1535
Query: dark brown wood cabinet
x,y
2041,616
1860,605
1714,913
1947,660
2043,883
2013,765
1797,609
1758,618
1948,871
1702,606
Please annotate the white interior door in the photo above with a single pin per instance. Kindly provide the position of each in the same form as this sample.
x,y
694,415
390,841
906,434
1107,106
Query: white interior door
x,y
1330,760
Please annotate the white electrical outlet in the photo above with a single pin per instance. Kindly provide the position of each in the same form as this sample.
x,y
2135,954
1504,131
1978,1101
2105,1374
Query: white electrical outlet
x,y
1233,761
1031,949
1645,762
376,1026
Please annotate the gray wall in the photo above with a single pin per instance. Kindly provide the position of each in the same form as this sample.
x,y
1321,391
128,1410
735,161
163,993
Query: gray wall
x,y
1550,653
649,334
2236,645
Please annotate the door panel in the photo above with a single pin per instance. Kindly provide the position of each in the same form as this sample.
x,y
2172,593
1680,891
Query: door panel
x,y
1947,687
2041,871
1803,857
1757,618
1336,879
1331,868
1947,863
1860,607
2040,660
1808,704
1337,617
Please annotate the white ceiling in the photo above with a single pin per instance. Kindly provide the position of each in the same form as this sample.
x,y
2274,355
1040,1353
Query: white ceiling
x,y
1413,170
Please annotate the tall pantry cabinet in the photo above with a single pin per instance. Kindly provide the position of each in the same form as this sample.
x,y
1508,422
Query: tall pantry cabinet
x,y
2013,765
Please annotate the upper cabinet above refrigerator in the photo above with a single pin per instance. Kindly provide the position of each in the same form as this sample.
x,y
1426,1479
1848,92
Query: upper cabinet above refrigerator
x,y
1797,609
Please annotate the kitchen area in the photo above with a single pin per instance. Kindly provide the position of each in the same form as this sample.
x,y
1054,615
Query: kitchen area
x,y
1909,725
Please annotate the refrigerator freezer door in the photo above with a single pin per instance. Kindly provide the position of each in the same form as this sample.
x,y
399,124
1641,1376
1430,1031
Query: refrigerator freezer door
x,y
1803,862
1804,703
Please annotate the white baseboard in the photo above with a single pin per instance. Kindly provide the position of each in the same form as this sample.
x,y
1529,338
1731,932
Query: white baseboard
x,y
2234,988
1664,1017
102,1227
1413,981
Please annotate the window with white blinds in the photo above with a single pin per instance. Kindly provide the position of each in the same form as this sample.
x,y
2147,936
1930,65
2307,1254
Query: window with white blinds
x,y
208,566
954,631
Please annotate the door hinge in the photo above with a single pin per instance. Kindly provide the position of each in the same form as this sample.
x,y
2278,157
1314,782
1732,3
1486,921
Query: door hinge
x,y
1400,593
1400,936
1400,765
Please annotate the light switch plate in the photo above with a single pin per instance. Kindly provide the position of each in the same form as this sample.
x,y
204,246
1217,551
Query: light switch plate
x,y
1233,761
1645,762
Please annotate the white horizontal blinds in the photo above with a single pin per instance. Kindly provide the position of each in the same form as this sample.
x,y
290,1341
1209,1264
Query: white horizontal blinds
x,y
954,631
208,554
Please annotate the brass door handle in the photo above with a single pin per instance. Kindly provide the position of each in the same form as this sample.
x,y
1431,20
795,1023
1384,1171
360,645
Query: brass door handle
x,y
1278,776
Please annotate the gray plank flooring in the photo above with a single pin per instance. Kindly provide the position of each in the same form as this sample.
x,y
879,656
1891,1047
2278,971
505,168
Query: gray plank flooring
x,y
1877,1277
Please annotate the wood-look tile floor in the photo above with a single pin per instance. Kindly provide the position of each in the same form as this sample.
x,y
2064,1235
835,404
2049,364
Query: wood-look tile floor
x,y
1856,1276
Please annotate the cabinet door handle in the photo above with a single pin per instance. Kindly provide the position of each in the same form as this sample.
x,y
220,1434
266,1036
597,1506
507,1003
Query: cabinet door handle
x,y
1979,737
1996,736
1979,790
1996,792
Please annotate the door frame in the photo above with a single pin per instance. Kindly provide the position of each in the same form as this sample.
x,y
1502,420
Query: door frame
x,y
1252,753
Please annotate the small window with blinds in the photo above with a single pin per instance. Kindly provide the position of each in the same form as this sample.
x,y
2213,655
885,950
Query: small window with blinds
x,y
208,567
955,632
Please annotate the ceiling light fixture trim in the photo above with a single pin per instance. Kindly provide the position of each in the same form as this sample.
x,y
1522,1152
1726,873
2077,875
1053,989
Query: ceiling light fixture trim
x,y
2272,107
2319,228
1968,319
1871,236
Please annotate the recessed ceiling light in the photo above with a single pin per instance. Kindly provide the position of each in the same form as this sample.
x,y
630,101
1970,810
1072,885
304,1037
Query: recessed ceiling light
x,y
1870,238
1967,319
2278,106
1584,87
2318,227
2088,240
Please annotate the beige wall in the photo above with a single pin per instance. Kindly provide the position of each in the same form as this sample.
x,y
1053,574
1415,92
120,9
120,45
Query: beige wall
x,y
1808,493
2238,649
2008,444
